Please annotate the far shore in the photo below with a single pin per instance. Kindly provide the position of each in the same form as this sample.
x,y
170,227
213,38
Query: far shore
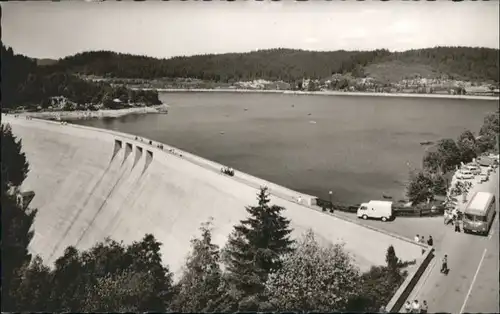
x,y
88,114
325,93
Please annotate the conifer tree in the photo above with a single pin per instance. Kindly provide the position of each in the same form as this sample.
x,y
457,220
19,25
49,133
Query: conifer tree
x,y
256,246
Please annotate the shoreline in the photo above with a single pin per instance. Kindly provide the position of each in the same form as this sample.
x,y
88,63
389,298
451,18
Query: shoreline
x,y
101,113
323,93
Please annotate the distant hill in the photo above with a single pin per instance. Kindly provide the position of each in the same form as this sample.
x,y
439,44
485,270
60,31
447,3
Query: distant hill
x,y
26,83
474,64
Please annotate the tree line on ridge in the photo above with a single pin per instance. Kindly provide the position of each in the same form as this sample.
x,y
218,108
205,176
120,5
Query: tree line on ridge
x,y
288,65
31,86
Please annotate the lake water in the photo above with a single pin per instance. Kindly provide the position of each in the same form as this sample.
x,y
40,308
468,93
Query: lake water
x,y
358,147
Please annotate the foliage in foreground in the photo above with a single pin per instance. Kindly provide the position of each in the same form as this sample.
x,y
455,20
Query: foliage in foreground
x,y
201,282
16,220
107,277
314,278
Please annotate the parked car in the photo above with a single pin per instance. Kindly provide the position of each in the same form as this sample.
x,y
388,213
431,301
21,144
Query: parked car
x,y
485,161
474,169
465,175
484,177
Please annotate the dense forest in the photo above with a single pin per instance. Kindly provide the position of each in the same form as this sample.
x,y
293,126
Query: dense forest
x,y
24,83
261,267
289,65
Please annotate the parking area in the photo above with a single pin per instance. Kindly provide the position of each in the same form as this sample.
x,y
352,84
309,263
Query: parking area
x,y
472,283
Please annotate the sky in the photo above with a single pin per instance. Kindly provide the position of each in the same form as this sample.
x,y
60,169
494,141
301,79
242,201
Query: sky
x,y
44,29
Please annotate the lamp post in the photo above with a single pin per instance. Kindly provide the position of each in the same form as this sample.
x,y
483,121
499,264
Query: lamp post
x,y
331,204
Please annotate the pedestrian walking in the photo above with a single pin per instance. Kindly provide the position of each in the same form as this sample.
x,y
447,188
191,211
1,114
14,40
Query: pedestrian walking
x,y
430,241
417,238
457,225
444,266
415,307
422,240
425,307
408,307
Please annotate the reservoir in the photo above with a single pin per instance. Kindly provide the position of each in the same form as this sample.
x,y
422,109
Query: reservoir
x,y
358,147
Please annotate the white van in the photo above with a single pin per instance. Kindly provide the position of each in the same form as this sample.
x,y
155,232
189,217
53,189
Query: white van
x,y
375,209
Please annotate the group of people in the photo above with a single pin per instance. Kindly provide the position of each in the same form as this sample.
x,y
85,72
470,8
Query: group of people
x,y
416,307
158,145
228,171
421,240
27,117
173,152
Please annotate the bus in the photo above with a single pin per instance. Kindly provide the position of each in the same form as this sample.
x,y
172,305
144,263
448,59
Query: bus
x,y
479,214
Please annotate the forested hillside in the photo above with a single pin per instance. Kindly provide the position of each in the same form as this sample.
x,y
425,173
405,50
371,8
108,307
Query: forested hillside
x,y
26,84
475,64
275,64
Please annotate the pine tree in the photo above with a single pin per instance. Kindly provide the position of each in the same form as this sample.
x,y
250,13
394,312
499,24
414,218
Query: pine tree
x,y
256,247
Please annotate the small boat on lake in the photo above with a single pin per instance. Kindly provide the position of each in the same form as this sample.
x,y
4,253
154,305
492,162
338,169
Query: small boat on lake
x,y
426,143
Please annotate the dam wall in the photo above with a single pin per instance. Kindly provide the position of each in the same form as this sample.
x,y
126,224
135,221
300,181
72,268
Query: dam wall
x,y
93,183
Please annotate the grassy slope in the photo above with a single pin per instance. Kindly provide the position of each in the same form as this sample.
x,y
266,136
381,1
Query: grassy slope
x,y
395,71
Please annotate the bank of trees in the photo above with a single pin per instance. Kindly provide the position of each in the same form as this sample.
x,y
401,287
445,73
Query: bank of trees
x,y
441,160
274,64
261,267
289,65
26,84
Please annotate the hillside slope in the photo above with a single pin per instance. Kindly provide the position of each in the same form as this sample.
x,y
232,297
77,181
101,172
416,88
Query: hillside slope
x,y
26,83
474,64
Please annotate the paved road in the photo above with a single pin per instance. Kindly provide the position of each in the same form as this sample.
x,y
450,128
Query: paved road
x,y
472,283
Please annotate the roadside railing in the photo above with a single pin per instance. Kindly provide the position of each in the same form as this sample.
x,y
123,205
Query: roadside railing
x,y
404,291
